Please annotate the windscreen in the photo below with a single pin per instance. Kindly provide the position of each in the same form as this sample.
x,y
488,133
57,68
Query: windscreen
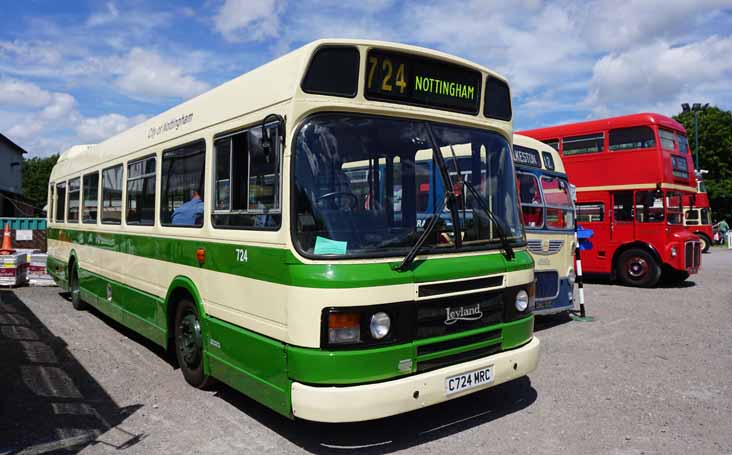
x,y
367,186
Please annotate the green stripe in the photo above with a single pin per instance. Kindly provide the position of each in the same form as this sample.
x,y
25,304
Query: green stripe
x,y
279,265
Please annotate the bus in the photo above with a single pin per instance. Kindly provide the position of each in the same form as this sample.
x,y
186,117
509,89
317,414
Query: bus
x,y
631,173
228,231
546,198
698,214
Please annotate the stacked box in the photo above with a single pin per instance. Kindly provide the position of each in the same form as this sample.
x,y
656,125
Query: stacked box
x,y
37,272
13,269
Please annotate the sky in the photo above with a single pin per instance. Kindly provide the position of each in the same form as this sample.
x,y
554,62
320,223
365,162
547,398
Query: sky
x,y
77,72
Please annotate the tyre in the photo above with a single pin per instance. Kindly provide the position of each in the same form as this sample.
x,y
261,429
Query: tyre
x,y
189,344
638,268
706,243
75,289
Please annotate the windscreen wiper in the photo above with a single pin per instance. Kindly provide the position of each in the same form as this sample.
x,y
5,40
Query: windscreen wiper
x,y
409,258
499,227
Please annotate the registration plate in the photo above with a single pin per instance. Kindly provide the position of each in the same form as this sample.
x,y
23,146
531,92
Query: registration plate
x,y
470,380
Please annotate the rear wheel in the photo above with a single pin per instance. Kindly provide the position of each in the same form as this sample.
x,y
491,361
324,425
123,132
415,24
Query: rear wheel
x,y
189,344
75,289
706,243
638,268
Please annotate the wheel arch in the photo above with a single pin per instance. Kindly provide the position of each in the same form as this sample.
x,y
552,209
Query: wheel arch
x,y
73,260
181,287
647,247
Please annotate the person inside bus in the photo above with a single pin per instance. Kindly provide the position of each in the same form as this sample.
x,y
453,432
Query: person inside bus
x,y
190,213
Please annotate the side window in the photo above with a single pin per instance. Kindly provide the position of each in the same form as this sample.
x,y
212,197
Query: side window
x,y
72,215
588,143
112,195
623,206
91,198
591,212
692,217
649,206
51,193
532,204
706,216
182,194
667,139
247,180
553,143
141,192
60,202
637,137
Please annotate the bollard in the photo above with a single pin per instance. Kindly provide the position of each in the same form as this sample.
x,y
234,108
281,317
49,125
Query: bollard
x,y
582,317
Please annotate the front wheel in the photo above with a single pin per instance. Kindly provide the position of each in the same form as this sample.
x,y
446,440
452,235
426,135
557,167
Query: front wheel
x,y
638,268
706,243
189,344
75,289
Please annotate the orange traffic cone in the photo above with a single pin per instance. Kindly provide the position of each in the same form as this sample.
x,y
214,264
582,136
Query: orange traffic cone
x,y
7,247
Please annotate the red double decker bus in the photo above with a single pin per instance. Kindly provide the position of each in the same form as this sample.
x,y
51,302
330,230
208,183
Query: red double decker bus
x,y
698,215
632,174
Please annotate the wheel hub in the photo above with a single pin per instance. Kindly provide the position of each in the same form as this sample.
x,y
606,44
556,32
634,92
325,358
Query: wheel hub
x,y
189,339
637,267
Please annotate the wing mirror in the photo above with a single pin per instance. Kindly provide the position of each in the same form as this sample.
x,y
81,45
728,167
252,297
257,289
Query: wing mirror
x,y
268,140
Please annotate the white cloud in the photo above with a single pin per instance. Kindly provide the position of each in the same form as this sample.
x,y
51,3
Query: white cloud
x,y
97,129
146,75
15,92
658,76
248,20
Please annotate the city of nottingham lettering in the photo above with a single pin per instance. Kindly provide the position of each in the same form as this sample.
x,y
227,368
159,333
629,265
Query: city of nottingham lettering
x,y
440,87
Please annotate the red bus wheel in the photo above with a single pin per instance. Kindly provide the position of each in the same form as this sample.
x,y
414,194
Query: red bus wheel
x,y
638,268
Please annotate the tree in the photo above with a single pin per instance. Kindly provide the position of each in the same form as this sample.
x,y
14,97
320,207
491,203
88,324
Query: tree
x,y
715,155
36,173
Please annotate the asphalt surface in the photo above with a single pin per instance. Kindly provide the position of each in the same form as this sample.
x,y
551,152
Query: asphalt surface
x,y
651,375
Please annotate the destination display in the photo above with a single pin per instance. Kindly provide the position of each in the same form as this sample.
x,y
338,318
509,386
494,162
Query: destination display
x,y
526,156
407,79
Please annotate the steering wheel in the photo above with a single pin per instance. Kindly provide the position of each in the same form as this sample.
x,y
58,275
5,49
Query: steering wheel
x,y
334,194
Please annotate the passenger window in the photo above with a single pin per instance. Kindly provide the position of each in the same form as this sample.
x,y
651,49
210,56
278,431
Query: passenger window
x,y
60,202
591,212
72,216
588,143
649,206
532,204
141,192
112,195
623,206
182,186
667,139
692,217
247,180
91,198
638,137
51,201
683,144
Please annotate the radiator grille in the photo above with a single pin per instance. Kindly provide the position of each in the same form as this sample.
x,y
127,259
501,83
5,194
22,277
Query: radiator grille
x,y
545,247
547,284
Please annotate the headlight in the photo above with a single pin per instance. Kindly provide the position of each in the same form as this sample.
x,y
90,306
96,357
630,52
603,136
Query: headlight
x,y
571,277
674,252
522,300
380,325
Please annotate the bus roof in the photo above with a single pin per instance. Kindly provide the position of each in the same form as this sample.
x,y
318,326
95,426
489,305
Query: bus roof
x,y
624,121
532,143
261,88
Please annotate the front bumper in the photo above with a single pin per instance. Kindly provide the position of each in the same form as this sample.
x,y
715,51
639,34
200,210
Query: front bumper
x,y
383,399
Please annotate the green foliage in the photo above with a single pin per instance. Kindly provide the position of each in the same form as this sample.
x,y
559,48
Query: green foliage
x,y
715,155
36,172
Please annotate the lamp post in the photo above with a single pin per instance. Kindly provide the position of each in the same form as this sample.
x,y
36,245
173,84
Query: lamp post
x,y
695,108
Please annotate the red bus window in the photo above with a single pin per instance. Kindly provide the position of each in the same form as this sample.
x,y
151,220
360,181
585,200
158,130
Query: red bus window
x,y
649,206
623,206
637,137
673,208
588,143
668,139
590,212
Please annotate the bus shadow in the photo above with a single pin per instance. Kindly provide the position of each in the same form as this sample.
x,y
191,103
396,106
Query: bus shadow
x,y
50,402
150,345
550,321
605,280
392,433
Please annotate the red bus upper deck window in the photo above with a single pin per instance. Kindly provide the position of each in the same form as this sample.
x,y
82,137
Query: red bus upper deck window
x,y
637,137
683,144
668,139
588,143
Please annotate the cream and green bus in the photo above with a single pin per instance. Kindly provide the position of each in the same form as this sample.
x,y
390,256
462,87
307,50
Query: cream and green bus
x,y
233,231
547,203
